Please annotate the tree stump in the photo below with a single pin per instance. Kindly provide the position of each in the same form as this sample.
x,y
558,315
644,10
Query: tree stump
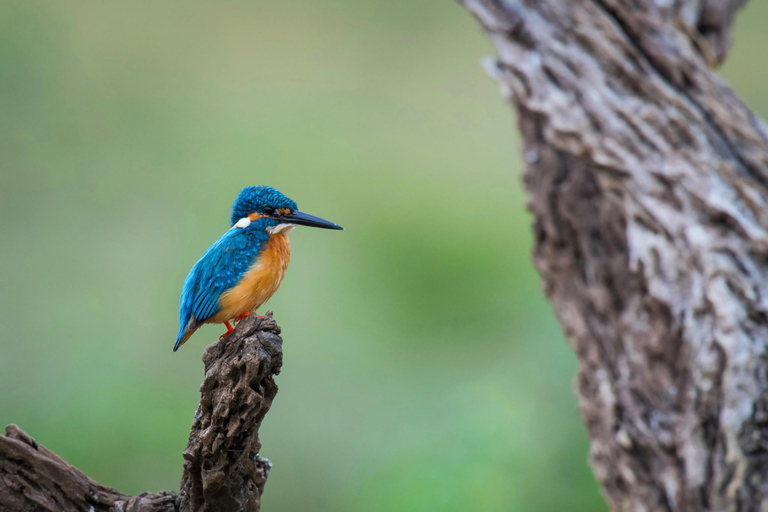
x,y
222,469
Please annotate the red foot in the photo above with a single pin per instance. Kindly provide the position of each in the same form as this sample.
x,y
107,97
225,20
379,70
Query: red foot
x,y
247,313
229,330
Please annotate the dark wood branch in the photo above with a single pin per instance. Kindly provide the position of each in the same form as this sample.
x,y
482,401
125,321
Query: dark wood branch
x,y
648,180
222,469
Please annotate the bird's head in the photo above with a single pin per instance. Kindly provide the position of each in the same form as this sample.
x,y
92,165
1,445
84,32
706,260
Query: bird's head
x,y
268,209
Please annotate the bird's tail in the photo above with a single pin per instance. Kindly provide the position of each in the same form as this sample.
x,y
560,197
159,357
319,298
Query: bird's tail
x,y
186,330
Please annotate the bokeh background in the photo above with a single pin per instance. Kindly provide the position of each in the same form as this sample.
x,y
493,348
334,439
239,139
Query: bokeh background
x,y
424,370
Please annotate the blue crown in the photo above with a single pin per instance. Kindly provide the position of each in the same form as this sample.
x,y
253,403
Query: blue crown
x,y
264,200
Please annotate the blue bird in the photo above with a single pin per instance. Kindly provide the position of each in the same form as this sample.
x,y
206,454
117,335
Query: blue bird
x,y
244,267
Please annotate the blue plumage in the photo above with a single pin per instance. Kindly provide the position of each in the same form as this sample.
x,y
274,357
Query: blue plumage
x,y
220,268
259,199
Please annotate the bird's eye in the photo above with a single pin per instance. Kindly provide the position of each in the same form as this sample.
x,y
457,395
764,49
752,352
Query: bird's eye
x,y
269,210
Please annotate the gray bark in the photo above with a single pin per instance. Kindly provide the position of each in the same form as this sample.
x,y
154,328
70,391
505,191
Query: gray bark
x,y
648,181
222,469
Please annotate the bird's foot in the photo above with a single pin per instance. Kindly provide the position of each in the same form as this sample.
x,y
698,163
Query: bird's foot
x,y
230,329
247,313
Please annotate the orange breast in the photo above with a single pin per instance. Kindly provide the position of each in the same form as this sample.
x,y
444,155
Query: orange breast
x,y
259,283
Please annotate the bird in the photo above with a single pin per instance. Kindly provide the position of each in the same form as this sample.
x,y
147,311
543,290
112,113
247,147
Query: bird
x,y
245,267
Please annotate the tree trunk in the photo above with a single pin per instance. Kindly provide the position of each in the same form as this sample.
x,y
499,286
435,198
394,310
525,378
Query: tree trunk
x,y
222,469
648,180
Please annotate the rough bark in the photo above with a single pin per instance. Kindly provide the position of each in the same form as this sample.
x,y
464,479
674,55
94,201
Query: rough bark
x,y
222,469
648,181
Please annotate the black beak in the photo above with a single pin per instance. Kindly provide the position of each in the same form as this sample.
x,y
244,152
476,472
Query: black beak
x,y
305,219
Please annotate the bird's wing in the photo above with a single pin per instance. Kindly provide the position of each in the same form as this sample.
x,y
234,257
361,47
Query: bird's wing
x,y
219,269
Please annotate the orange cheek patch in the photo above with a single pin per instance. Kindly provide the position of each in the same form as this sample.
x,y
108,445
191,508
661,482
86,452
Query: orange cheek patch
x,y
254,216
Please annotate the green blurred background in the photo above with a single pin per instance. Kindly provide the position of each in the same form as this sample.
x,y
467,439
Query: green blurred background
x,y
423,368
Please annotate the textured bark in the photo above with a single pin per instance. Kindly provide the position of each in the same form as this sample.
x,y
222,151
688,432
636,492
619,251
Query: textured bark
x,y
648,181
222,469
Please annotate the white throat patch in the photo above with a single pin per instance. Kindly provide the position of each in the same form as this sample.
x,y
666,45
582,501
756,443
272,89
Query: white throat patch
x,y
280,228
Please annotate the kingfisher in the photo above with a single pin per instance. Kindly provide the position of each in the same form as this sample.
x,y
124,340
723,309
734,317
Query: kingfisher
x,y
243,268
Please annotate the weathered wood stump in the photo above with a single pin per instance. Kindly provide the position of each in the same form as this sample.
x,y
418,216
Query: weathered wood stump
x,y
222,468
